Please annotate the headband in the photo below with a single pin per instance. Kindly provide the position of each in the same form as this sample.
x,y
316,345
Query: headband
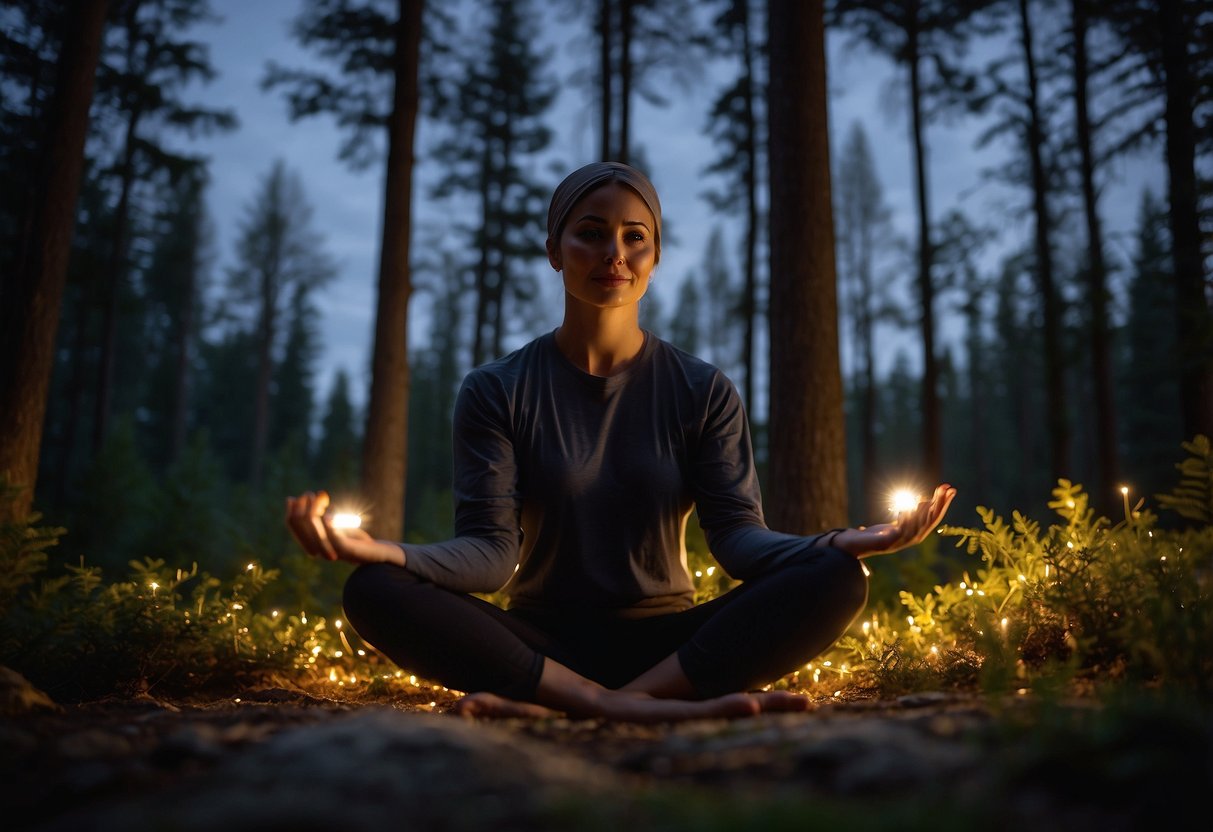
x,y
594,175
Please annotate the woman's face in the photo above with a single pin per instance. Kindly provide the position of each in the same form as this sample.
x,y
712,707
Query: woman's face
x,y
606,250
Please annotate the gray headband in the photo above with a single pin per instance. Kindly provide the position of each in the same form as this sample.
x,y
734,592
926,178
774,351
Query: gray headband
x,y
585,179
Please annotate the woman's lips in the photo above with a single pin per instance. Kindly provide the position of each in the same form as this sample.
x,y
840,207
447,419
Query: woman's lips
x,y
611,280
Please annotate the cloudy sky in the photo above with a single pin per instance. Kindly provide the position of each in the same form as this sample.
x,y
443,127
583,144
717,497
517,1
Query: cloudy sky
x,y
864,88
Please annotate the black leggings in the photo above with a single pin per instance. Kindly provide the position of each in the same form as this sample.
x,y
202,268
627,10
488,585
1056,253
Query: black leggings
x,y
748,637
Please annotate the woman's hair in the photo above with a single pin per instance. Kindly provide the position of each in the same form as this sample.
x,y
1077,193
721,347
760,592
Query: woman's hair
x,y
594,175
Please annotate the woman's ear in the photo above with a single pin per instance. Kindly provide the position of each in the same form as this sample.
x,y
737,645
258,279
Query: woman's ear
x,y
553,254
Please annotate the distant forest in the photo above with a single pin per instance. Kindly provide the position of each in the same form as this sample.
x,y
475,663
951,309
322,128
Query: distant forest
x,y
166,408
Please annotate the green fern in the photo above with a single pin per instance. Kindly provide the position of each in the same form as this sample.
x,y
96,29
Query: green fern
x,y
1193,497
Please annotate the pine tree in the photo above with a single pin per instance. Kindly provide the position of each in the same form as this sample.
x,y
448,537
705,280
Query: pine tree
x,y
339,450
924,37
685,325
278,255
495,128
735,125
374,94
31,294
807,432
141,73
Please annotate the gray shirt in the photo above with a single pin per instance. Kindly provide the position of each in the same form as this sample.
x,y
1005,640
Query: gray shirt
x,y
575,489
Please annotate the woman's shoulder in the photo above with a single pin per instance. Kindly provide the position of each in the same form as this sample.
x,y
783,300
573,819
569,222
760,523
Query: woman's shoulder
x,y
700,375
505,372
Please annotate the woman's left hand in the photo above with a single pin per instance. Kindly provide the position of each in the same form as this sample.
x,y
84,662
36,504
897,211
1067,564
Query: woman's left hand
x,y
909,529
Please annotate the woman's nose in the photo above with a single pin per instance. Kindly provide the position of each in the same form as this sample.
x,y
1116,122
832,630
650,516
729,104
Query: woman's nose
x,y
613,253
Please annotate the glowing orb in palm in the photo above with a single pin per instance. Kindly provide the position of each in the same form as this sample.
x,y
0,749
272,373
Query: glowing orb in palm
x,y
346,520
903,499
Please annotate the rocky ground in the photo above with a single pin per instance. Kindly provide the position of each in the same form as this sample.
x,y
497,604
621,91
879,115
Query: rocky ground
x,y
277,759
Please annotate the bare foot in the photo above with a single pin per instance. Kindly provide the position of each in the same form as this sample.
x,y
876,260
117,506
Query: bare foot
x,y
776,701
498,707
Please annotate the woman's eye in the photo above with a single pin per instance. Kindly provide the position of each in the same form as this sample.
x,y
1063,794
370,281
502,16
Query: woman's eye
x,y
636,236
589,234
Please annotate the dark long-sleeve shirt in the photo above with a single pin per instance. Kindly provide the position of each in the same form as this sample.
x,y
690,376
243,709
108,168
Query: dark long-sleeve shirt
x,y
575,489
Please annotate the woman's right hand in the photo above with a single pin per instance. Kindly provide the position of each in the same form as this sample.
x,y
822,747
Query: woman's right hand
x,y
307,518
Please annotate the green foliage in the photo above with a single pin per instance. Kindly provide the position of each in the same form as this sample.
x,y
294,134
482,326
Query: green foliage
x,y
1046,606
1193,497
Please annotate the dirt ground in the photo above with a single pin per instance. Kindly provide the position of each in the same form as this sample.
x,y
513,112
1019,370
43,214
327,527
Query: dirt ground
x,y
279,759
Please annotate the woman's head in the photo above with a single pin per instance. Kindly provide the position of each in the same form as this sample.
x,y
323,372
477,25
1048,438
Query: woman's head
x,y
581,182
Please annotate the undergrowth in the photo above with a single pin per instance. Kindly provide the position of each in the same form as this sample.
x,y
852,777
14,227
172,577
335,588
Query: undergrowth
x,y
1041,608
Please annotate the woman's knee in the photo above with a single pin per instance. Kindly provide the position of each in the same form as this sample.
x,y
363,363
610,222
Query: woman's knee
x,y
851,578
371,589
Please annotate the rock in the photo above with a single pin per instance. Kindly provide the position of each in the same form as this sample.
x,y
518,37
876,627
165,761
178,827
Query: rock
x,y
365,770
18,696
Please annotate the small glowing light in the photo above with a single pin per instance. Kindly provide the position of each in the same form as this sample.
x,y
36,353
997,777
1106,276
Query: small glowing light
x,y
361,652
237,606
412,680
237,698
910,620
316,650
866,572
826,664
1004,623
837,693
934,650
963,584
1164,557
1046,570
337,623
968,592
338,654
274,614
250,567
1069,544
303,618
333,675
902,500
1124,489
867,625
155,586
433,704
698,573
1022,579
711,569
346,520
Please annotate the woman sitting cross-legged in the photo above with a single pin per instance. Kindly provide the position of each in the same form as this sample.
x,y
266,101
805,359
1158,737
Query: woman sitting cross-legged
x,y
578,459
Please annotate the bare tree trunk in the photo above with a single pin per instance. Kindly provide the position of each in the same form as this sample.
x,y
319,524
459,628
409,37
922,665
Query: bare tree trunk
x,y
932,451
385,450
115,271
31,297
627,10
605,77
1097,292
750,291
1195,321
1055,403
807,432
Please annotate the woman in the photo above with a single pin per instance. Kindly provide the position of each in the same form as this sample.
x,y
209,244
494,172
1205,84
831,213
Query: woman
x,y
578,459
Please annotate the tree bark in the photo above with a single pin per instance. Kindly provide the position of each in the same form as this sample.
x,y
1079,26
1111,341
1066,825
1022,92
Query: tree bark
x,y
932,452
31,297
750,291
1195,319
385,450
1097,273
605,78
1055,402
807,433
627,10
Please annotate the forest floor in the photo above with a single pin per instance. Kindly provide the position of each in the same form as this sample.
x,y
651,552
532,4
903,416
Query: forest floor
x,y
281,759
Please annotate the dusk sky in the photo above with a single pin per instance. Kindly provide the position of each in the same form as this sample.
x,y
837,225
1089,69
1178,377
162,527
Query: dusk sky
x,y
864,88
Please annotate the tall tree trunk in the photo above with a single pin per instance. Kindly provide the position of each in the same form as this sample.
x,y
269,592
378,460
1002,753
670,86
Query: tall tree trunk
x,y
1055,402
183,339
605,79
750,148
1195,319
866,334
265,365
628,12
932,452
31,297
385,451
807,433
115,271
1097,293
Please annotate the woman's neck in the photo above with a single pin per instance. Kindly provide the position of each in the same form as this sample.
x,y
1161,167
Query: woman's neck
x,y
602,342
